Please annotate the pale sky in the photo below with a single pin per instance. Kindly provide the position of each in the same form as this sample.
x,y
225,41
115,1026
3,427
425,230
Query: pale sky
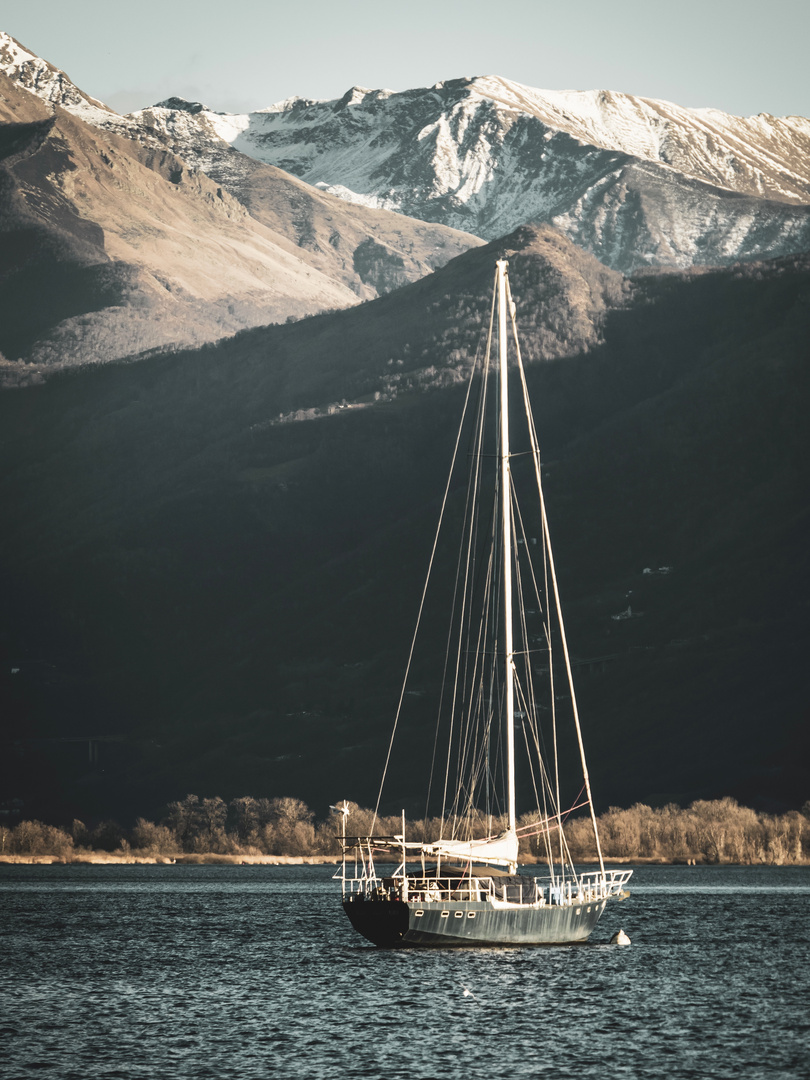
x,y
741,56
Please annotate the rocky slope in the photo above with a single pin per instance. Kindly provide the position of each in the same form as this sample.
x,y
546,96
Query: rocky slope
x,y
638,182
110,249
368,251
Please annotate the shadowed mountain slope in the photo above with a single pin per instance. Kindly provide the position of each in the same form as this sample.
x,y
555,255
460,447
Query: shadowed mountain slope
x,y
216,557
110,248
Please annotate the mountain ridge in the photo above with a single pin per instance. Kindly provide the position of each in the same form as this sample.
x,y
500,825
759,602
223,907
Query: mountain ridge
x,y
185,259
637,181
649,129
486,155
64,191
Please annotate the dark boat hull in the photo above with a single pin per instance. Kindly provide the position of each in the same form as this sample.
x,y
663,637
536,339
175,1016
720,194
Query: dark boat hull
x,y
393,924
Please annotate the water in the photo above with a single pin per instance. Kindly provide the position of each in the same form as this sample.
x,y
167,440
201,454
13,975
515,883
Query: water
x,y
163,972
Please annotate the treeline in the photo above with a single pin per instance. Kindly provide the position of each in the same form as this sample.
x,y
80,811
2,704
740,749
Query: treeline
x,y
716,831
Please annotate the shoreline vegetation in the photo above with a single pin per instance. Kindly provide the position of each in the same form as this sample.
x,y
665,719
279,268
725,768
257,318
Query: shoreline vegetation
x,y
284,832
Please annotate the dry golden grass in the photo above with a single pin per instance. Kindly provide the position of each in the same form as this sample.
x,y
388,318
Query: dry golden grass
x,y
106,858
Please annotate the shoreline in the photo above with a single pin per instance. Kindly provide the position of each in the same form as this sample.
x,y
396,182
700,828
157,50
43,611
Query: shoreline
x,y
104,858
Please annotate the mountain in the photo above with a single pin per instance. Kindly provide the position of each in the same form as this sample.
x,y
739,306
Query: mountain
x,y
47,82
368,251
635,181
212,561
110,249
113,245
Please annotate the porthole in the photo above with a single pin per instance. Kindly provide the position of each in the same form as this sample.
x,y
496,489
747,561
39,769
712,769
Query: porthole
x,y
578,911
589,910
470,914
418,914
445,914
459,914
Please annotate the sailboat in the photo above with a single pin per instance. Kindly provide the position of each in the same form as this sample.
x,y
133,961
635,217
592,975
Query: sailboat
x,y
462,887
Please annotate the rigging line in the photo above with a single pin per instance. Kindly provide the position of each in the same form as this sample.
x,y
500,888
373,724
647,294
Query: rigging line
x,y
481,414
492,747
527,672
555,797
479,756
527,666
568,859
529,758
565,851
524,537
526,830
515,652
470,674
469,514
489,775
467,517
546,552
542,764
542,828
553,689
424,592
471,678
461,591
561,623
527,652
551,678
466,590
548,797
477,730
463,683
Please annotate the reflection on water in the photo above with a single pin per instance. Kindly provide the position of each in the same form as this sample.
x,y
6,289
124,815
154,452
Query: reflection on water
x,y
194,972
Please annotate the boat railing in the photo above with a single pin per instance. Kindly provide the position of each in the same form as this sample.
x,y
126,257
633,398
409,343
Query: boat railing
x,y
420,889
598,886
586,888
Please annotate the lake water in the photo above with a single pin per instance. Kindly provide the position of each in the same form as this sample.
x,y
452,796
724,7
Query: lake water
x,y
163,972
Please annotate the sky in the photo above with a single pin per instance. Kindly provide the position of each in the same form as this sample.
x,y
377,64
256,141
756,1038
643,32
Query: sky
x,y
741,56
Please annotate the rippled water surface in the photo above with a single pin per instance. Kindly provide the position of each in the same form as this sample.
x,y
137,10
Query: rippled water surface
x,y
189,972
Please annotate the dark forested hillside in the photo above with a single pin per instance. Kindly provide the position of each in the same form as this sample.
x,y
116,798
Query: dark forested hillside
x,y
211,562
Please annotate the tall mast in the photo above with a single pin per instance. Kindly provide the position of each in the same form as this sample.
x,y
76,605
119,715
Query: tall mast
x,y
506,516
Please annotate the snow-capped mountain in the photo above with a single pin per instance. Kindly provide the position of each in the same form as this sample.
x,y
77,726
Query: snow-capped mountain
x,y
111,248
638,182
119,246
48,82
367,250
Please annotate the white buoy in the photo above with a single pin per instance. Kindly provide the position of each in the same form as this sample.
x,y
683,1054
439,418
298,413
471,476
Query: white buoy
x,y
620,938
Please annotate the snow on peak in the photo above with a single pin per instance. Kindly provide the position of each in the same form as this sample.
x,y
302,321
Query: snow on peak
x,y
353,96
291,104
181,105
635,180
46,81
485,154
